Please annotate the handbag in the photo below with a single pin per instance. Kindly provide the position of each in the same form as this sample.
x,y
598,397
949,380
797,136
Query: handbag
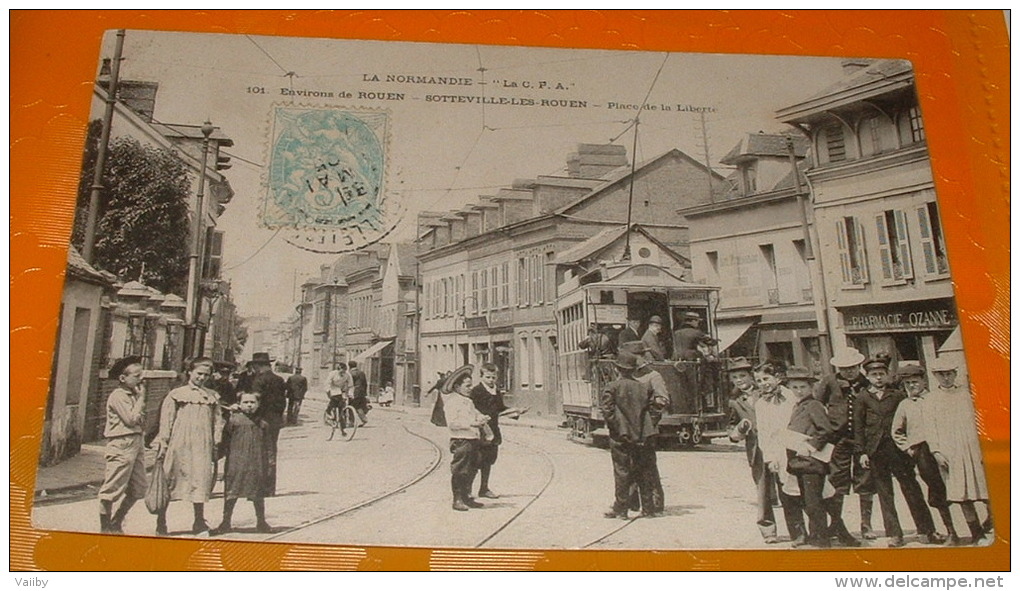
x,y
157,497
487,436
800,465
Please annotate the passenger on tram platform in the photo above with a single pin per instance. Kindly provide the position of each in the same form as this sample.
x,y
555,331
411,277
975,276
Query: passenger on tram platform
x,y
686,338
651,339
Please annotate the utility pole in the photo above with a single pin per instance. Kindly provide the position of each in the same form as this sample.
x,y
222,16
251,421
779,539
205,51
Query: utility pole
x,y
818,295
193,302
708,161
92,216
630,197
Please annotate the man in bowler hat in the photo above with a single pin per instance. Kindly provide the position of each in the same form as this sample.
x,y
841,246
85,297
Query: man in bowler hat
x,y
628,407
651,339
272,406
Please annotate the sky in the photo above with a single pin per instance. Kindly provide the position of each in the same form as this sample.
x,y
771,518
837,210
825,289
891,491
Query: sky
x,y
443,154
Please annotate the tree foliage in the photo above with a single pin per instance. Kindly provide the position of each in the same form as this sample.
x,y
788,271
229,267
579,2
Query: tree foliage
x,y
240,336
143,229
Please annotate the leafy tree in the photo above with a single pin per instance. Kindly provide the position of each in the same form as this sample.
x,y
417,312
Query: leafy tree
x,y
143,229
240,336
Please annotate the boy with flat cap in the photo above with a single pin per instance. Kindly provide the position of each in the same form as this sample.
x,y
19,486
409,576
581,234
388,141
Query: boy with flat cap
x,y
911,432
124,479
743,427
874,410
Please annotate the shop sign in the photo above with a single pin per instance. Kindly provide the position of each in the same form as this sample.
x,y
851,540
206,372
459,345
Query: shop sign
x,y
907,316
475,322
501,318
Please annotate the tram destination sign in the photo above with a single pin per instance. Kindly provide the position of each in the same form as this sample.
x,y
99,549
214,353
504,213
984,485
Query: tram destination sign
x,y
902,317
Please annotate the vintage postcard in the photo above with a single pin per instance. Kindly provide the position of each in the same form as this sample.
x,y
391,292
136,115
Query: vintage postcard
x,y
363,294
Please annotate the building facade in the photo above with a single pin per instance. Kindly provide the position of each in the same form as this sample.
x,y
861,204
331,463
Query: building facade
x,y
886,273
752,244
489,271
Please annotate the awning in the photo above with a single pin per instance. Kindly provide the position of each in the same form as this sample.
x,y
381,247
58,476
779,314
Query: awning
x,y
731,330
953,343
371,351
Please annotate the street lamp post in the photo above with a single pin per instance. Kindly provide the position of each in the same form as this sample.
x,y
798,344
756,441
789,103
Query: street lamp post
x,y
333,315
193,301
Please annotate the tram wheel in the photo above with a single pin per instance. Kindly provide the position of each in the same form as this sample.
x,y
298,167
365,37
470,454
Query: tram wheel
x,y
696,435
685,435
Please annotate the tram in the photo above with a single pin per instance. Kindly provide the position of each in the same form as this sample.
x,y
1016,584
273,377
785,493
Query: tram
x,y
607,296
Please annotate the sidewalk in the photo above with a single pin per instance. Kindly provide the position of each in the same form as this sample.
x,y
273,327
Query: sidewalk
x,y
80,471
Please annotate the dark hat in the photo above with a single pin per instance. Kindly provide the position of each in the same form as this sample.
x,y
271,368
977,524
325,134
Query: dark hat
x,y
655,320
877,362
223,365
454,376
707,340
118,367
848,357
908,370
634,347
626,360
261,357
796,372
943,363
738,363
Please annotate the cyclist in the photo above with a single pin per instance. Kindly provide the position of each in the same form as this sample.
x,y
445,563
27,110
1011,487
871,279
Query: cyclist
x,y
339,385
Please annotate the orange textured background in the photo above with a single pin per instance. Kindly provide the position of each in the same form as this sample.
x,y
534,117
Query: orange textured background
x,y
962,66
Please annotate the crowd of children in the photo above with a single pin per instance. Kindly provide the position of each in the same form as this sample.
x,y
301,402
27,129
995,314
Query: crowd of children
x,y
811,444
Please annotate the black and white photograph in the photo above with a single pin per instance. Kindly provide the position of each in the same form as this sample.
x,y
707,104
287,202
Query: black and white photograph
x,y
365,293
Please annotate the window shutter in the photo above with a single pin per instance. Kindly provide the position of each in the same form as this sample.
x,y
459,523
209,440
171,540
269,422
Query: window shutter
x,y
883,247
474,293
844,251
213,256
484,290
539,271
903,244
493,287
927,241
862,255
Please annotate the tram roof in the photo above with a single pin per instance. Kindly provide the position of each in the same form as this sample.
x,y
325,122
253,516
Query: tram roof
x,y
643,275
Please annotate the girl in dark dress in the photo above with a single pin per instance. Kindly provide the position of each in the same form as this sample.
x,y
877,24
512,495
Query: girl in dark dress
x,y
244,445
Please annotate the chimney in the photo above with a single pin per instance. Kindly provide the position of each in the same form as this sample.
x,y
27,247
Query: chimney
x,y
138,96
592,161
853,65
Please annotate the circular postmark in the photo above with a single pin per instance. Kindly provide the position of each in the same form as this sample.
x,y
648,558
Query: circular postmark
x,y
326,179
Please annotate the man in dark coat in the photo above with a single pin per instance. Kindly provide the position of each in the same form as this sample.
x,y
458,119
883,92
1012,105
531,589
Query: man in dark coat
x,y
687,337
297,387
630,332
489,401
272,406
874,410
653,347
222,384
359,391
629,408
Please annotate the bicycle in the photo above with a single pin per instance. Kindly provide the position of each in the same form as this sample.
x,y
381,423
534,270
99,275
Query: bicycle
x,y
341,417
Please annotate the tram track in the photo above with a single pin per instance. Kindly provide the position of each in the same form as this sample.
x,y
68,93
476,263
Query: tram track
x,y
437,460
